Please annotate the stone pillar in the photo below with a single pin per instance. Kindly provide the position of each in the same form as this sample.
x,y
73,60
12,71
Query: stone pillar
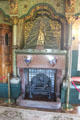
x,y
14,44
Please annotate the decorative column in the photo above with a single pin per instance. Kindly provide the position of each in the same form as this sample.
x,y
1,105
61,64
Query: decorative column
x,y
69,13
14,18
69,62
14,44
70,20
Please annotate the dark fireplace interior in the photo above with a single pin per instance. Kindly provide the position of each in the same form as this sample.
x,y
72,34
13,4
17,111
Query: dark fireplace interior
x,y
40,84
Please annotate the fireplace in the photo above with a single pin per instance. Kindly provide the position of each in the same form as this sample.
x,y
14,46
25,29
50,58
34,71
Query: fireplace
x,y
41,73
40,57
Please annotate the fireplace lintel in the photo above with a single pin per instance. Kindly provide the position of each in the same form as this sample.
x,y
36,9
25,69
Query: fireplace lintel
x,y
37,51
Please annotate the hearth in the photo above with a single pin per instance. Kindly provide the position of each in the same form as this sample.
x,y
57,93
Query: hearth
x,y
41,83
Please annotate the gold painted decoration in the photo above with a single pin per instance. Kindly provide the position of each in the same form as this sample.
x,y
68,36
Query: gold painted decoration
x,y
14,20
70,6
42,32
70,19
41,35
70,11
41,9
27,28
13,7
56,28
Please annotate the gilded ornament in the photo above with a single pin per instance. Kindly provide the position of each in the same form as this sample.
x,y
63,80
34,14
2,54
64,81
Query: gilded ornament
x,y
13,7
21,21
15,20
70,19
70,6
27,28
41,36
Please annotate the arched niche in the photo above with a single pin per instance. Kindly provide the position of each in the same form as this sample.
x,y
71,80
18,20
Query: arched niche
x,y
43,31
53,27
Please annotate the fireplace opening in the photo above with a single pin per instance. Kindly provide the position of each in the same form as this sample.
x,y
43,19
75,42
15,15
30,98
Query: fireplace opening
x,y
40,84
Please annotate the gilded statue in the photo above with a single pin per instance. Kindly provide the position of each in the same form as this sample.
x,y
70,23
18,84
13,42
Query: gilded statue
x,y
41,35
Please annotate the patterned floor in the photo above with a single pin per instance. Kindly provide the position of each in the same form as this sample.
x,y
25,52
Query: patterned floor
x,y
8,113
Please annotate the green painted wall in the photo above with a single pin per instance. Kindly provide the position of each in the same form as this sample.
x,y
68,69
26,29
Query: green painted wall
x,y
4,12
5,6
25,5
74,63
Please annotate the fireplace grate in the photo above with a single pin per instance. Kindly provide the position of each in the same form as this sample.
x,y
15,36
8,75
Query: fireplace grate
x,y
41,82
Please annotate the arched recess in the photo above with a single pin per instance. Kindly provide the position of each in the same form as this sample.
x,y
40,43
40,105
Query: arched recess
x,y
47,12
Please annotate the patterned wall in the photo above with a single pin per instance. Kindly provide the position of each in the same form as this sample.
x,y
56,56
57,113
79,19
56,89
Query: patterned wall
x,y
5,6
77,6
4,12
25,5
